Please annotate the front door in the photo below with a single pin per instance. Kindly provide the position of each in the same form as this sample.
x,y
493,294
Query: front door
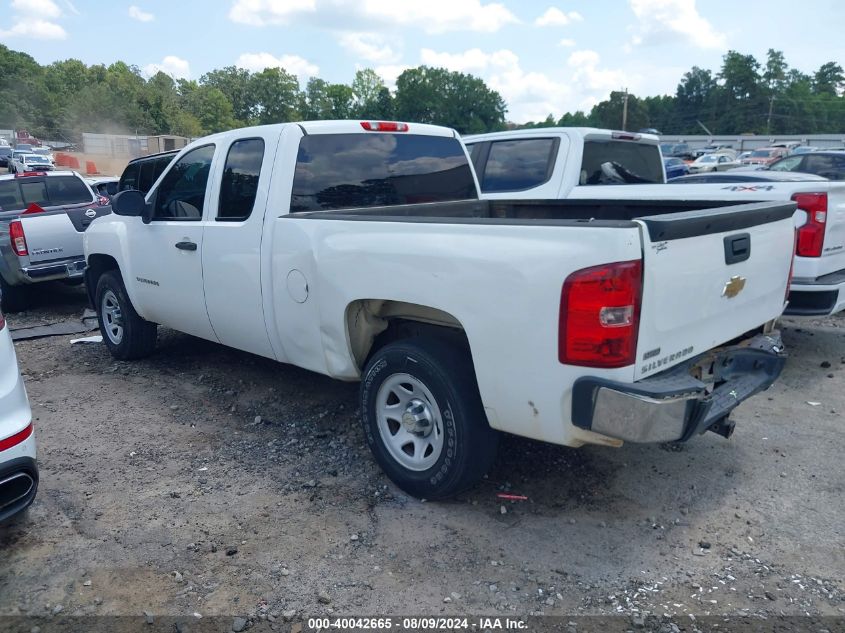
x,y
167,278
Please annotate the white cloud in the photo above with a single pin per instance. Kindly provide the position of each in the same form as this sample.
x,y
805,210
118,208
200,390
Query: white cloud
x,y
566,43
71,7
293,64
263,12
176,67
593,82
136,13
390,73
370,47
36,20
530,96
40,8
667,20
555,17
432,16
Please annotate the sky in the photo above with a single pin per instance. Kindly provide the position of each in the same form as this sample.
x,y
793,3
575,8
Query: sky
x,y
543,57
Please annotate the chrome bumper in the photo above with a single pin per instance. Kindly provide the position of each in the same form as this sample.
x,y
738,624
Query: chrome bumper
x,y
674,405
55,270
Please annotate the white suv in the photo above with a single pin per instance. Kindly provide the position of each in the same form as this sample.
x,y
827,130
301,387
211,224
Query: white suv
x,y
18,471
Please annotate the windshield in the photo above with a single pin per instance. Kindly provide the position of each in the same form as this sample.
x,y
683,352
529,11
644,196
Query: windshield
x,y
707,159
35,158
761,153
620,162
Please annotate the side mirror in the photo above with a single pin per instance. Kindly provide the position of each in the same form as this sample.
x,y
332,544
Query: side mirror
x,y
129,203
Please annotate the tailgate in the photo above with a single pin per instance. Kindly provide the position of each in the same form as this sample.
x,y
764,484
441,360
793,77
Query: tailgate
x,y
57,234
710,276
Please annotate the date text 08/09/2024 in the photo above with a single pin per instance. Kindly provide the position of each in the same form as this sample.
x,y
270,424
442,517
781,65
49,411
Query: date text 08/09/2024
x,y
416,624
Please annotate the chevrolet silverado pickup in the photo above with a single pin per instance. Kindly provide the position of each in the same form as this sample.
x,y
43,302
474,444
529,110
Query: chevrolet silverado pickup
x,y
572,162
360,250
42,218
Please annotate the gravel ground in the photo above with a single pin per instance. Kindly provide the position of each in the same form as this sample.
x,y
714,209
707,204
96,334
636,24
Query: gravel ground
x,y
205,480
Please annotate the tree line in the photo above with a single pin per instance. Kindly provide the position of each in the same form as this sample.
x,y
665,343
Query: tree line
x,y
745,96
63,99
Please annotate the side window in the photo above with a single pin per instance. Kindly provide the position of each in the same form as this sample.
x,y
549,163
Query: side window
x,y
129,179
159,166
787,164
240,180
145,179
518,165
181,194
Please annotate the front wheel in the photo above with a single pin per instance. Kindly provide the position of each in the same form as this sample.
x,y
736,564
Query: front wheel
x,y
423,417
126,334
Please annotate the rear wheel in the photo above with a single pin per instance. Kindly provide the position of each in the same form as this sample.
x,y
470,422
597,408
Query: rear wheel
x,y
126,334
14,298
423,417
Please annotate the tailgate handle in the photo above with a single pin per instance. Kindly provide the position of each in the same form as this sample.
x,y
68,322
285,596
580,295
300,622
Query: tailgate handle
x,y
737,248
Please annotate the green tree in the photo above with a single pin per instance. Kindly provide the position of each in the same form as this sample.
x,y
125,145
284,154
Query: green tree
x,y
366,88
829,80
235,84
458,100
275,93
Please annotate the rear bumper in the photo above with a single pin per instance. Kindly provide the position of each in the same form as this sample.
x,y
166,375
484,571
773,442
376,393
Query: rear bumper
x,y
674,405
18,485
822,296
55,270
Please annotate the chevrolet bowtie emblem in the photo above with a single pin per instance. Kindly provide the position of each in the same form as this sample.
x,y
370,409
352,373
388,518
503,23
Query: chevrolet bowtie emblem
x,y
733,287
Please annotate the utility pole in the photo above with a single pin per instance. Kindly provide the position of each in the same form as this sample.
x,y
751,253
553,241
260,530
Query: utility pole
x,y
625,111
769,120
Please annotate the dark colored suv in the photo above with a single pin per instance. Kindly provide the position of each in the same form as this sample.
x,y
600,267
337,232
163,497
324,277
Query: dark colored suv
x,y
141,173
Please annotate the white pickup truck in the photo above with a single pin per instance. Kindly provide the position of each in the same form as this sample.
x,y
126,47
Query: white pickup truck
x,y
360,250
570,162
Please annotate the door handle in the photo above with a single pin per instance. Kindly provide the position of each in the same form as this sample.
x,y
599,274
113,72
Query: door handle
x,y
186,246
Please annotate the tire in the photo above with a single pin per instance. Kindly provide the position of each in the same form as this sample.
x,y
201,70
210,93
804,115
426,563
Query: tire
x,y
126,335
439,443
14,298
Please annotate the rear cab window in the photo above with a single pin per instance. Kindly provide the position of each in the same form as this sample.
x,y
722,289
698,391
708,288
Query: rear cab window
x,y
337,171
611,162
519,164
46,191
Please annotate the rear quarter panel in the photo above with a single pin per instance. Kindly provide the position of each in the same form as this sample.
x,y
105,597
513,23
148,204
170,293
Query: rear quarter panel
x,y
501,282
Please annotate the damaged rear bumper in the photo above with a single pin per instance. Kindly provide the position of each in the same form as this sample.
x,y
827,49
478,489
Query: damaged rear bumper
x,y
684,401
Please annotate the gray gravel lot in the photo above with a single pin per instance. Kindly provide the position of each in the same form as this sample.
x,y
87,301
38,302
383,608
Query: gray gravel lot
x,y
207,480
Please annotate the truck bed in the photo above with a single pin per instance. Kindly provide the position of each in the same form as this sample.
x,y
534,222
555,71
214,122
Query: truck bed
x,y
687,217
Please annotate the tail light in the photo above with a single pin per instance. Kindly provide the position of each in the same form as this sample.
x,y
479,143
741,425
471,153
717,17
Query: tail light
x,y
384,126
625,136
18,238
103,201
17,438
599,315
811,235
27,174
32,208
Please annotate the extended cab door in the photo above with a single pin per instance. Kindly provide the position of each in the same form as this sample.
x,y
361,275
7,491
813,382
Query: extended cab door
x,y
166,273
231,255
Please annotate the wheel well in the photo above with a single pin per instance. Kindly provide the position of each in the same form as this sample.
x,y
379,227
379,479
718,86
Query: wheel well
x,y
373,323
97,265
